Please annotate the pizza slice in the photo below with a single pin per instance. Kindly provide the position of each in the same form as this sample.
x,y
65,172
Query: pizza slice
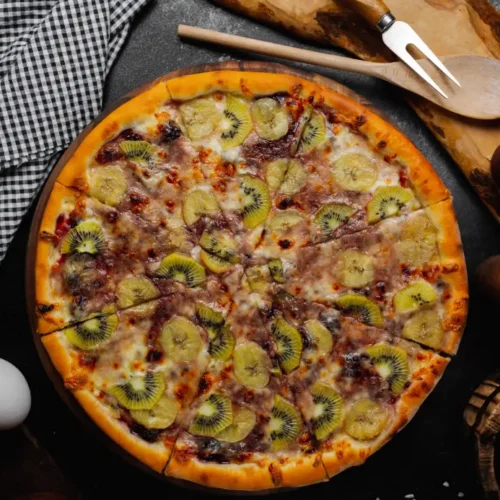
x,y
135,371
355,385
244,130
243,432
405,274
355,170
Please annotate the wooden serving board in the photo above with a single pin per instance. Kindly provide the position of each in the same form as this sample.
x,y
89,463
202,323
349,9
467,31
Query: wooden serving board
x,y
37,218
449,27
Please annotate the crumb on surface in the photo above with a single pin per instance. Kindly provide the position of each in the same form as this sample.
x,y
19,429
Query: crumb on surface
x,y
446,484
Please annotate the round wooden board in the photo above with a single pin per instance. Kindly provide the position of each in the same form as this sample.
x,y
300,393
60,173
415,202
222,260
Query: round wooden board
x,y
35,227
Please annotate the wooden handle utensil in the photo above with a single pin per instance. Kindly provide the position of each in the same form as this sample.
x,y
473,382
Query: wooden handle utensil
x,y
477,98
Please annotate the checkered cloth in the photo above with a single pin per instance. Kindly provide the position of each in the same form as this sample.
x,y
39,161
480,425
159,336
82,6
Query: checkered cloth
x,y
54,58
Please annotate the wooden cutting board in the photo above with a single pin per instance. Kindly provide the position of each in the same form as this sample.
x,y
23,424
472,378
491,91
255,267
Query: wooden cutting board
x,y
448,26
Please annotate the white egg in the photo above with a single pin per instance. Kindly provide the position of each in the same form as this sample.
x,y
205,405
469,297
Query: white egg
x,y
15,396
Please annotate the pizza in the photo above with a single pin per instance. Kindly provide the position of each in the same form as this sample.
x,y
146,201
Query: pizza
x,y
249,281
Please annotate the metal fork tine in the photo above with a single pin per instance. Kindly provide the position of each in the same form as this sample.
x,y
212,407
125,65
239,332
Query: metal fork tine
x,y
408,59
400,50
424,48
397,38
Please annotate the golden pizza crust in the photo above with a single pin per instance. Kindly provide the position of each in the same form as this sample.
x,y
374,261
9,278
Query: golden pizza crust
x,y
74,173
347,452
453,272
56,317
392,144
154,455
64,360
245,477
301,471
249,84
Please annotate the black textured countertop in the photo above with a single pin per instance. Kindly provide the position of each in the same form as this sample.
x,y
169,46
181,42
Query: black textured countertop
x,y
430,459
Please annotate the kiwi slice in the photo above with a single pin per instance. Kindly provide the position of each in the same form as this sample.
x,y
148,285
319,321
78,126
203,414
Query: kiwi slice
x,y
417,245
86,237
92,332
135,290
220,244
333,215
288,344
244,421
213,416
161,416
251,365
295,178
140,392
256,202
259,278
387,202
108,185
198,204
181,339
355,172
222,343
365,420
209,318
275,173
236,123
137,150
214,263
286,423
356,269
284,221
181,268
361,308
415,296
276,269
425,328
314,133
391,363
321,337
200,117
271,119
328,406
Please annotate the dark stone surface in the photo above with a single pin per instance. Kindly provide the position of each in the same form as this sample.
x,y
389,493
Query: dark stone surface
x,y
432,450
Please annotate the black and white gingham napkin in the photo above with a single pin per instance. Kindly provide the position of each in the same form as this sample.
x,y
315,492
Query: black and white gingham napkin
x,y
54,58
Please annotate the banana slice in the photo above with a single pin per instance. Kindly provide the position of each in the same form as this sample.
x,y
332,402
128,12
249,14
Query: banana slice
x,y
160,416
365,420
270,118
357,269
201,117
418,244
295,178
425,328
181,339
320,335
135,290
275,173
197,204
284,221
244,421
251,365
354,172
108,185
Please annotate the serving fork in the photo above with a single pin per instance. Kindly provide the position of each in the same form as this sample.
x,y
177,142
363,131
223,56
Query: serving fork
x,y
398,36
